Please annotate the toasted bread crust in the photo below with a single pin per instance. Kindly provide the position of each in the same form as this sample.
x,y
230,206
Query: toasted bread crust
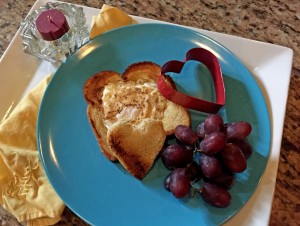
x,y
95,118
142,71
94,86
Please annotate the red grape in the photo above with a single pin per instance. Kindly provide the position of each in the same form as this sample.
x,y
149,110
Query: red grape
x,y
186,135
210,166
179,183
215,195
245,147
212,143
238,131
213,123
233,158
225,179
176,156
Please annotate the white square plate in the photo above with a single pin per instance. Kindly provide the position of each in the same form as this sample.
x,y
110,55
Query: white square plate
x,y
269,64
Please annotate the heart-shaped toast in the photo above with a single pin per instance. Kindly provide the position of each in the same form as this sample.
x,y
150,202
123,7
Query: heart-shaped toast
x,y
136,146
211,62
129,99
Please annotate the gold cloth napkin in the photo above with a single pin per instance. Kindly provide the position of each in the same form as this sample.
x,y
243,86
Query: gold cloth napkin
x,y
109,18
25,189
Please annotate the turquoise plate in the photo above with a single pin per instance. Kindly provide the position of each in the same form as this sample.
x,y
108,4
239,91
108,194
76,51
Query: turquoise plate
x,y
102,192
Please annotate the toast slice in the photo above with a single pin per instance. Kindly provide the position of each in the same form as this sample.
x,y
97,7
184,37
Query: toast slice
x,y
136,146
96,121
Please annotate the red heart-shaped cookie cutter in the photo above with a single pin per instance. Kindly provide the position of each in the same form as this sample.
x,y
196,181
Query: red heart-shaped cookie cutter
x,y
211,62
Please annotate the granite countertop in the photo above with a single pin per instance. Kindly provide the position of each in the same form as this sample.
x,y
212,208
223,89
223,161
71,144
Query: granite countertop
x,y
273,21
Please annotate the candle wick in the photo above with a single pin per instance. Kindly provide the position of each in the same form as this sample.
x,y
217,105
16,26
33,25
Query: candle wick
x,y
51,20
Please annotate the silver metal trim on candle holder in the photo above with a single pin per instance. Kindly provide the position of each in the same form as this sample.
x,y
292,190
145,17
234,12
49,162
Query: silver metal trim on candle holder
x,y
57,50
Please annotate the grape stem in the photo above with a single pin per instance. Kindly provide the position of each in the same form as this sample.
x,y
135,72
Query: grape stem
x,y
195,190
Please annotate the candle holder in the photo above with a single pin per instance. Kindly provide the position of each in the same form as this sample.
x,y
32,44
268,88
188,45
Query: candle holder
x,y
59,49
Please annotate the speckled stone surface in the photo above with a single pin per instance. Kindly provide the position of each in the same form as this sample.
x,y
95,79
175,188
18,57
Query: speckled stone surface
x,y
273,21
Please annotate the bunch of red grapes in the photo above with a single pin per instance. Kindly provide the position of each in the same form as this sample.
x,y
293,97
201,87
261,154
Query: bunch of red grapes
x,y
214,153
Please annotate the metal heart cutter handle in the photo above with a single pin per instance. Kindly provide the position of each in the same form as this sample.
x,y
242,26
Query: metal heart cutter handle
x,y
211,62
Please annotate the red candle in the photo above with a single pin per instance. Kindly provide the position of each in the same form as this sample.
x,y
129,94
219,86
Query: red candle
x,y
52,24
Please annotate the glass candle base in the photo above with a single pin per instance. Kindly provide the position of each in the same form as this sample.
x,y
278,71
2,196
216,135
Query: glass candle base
x,y
57,50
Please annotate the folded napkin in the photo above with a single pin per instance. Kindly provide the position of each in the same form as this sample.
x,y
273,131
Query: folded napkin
x,y
109,18
25,189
